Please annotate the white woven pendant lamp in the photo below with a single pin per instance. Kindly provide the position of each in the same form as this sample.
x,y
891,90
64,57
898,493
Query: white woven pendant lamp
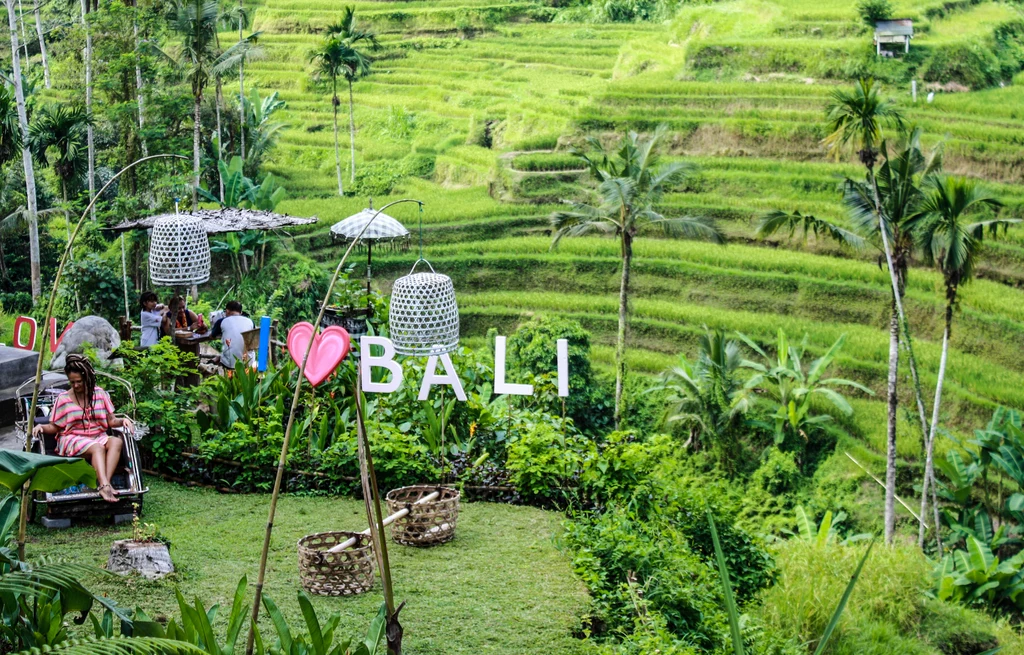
x,y
424,317
179,252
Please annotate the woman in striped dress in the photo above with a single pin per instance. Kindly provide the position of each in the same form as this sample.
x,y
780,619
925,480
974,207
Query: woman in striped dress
x,y
81,417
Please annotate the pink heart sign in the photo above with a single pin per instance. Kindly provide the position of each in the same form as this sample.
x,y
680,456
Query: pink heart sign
x,y
329,348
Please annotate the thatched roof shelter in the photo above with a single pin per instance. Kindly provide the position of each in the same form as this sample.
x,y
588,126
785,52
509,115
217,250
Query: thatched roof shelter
x,y
229,219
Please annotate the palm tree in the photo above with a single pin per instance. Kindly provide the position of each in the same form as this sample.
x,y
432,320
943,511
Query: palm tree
x,y
195,22
26,155
951,241
705,395
63,129
888,198
329,59
42,43
356,65
630,185
244,50
90,145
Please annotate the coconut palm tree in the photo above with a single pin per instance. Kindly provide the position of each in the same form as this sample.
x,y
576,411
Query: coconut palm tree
x,y
195,23
356,65
246,49
26,156
630,184
889,198
90,143
42,43
950,239
705,395
329,60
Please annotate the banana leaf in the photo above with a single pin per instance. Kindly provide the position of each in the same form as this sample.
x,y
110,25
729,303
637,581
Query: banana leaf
x,y
44,472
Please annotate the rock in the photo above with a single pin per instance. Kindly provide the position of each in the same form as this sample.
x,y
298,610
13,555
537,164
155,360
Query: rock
x,y
92,330
149,559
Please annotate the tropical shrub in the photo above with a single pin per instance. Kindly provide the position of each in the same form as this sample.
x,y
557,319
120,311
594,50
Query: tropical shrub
x,y
872,11
545,461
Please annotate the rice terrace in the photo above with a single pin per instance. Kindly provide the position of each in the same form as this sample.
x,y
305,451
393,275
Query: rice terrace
x,y
576,327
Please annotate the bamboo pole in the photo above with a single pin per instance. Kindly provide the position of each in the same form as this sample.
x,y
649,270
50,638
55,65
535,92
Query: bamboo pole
x,y
261,578
44,338
400,514
882,484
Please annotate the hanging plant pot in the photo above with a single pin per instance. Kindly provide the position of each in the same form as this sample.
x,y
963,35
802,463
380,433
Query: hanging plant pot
x,y
427,523
344,573
424,317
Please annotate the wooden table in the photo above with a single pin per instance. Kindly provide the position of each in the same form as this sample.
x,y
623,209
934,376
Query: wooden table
x,y
190,344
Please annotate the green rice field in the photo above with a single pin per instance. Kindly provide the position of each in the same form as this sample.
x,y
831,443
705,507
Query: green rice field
x,y
472,108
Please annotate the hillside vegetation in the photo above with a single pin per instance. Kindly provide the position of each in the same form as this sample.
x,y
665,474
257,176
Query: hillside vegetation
x,y
472,107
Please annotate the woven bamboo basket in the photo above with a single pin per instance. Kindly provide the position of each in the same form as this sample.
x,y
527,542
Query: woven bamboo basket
x,y
343,573
426,524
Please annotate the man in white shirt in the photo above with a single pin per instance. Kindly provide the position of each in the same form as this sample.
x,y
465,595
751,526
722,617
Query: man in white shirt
x,y
152,317
230,329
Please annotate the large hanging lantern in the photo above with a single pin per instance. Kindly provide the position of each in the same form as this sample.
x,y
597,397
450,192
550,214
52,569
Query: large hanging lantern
x,y
179,252
424,318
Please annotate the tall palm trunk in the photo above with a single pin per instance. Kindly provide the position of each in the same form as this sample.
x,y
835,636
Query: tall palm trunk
x,y
220,148
620,344
26,155
139,86
890,449
241,89
197,116
67,223
897,317
24,32
337,153
929,471
42,44
88,106
352,130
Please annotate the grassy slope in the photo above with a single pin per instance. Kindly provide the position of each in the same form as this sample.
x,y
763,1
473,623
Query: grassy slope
x,y
500,587
751,120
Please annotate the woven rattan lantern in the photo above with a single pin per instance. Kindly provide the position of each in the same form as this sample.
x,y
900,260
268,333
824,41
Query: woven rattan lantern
x,y
179,252
424,315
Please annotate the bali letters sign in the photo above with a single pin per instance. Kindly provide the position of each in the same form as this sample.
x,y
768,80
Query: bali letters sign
x,y
332,345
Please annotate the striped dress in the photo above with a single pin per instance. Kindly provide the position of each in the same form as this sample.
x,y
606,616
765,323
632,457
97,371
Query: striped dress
x,y
78,432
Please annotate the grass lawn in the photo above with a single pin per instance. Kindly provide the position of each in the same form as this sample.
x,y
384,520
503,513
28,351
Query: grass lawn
x,y
501,586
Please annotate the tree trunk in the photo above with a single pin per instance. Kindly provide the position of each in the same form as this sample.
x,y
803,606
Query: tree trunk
x,y
42,44
890,450
197,118
139,87
220,149
930,445
352,131
241,89
337,154
26,156
620,344
67,223
88,107
24,32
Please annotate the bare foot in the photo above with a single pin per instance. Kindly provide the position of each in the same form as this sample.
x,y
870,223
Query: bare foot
x,y
107,492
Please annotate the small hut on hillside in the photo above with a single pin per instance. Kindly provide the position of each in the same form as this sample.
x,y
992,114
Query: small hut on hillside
x,y
899,30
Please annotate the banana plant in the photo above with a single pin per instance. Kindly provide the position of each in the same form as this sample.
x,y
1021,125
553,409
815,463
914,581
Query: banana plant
x,y
977,576
790,389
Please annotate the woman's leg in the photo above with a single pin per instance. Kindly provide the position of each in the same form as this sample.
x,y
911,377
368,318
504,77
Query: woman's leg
x,y
113,448
97,456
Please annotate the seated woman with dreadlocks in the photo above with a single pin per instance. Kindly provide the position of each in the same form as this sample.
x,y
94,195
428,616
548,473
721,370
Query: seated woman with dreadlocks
x,y
81,416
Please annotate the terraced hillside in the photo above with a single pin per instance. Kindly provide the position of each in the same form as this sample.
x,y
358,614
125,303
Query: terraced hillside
x,y
472,106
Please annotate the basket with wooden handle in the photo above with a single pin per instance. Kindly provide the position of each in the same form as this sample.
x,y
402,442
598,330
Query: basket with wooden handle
x,y
426,523
341,573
